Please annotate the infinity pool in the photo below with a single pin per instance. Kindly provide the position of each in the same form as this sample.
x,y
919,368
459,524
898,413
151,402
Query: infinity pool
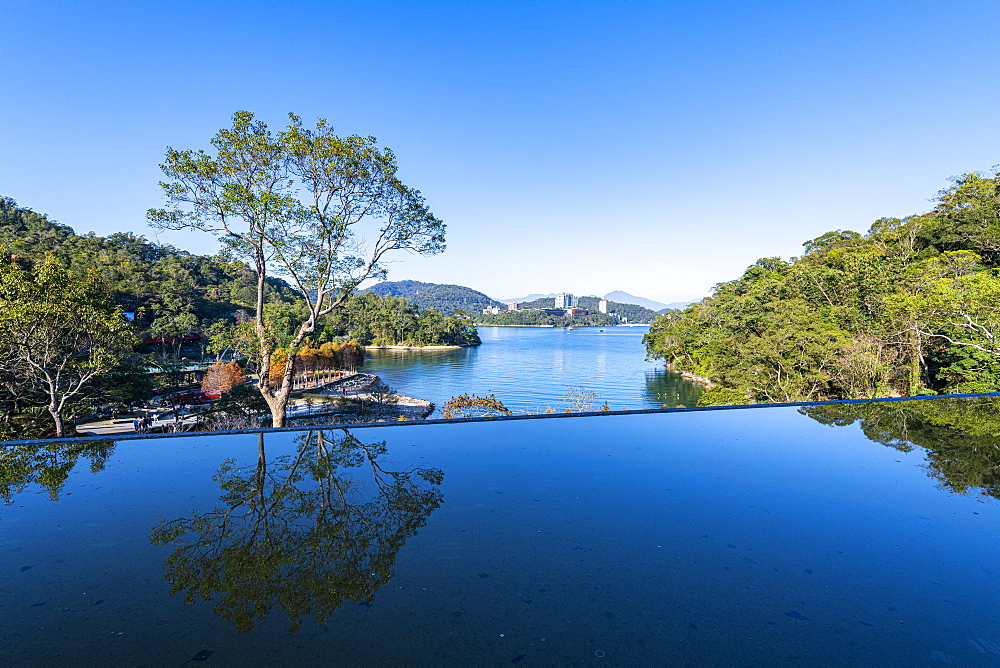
x,y
779,535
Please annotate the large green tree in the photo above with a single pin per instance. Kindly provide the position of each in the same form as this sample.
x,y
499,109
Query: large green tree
x,y
58,332
320,210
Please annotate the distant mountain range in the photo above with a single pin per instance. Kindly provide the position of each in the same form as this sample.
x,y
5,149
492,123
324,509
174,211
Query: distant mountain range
x,y
445,297
448,298
529,298
626,298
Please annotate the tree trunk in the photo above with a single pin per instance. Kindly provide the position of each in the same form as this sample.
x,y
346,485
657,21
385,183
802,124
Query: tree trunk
x,y
277,401
277,404
57,419
915,363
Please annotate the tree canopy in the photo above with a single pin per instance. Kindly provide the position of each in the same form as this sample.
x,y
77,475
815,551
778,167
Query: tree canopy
x,y
185,305
909,308
58,333
300,205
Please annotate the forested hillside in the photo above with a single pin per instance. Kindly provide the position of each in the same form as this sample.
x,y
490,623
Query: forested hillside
x,y
158,282
138,304
173,292
385,321
908,308
444,297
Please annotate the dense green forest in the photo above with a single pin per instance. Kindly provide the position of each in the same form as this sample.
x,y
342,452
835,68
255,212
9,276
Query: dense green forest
x,y
173,292
172,288
158,307
372,319
444,297
909,308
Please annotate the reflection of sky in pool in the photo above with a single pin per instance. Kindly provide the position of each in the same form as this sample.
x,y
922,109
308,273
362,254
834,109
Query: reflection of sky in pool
x,y
760,536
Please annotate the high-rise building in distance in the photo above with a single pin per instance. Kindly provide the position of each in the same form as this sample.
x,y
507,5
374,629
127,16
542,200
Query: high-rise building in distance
x,y
565,300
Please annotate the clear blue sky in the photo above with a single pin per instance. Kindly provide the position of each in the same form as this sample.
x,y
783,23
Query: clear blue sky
x,y
652,147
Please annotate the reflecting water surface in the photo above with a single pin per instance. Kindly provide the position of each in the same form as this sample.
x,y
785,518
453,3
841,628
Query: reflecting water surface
x,y
531,368
305,532
740,537
47,466
961,436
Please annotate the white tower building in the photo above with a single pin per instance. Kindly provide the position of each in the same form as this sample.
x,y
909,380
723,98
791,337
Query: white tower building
x,y
565,300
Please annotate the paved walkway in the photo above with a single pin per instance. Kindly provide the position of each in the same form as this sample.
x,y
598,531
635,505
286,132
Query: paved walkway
x,y
352,386
124,425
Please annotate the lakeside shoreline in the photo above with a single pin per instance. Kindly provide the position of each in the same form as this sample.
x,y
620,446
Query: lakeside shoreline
x,y
638,324
447,347
401,405
530,367
691,377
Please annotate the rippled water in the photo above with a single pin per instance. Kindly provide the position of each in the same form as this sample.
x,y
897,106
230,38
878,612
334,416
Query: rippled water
x,y
531,368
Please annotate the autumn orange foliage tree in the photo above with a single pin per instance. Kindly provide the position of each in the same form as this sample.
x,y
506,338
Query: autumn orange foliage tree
x,y
328,356
222,377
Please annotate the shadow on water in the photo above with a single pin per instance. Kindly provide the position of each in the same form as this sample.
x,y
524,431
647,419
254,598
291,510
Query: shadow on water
x,y
304,533
961,436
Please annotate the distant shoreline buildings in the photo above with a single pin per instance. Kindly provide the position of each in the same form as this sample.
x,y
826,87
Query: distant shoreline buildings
x,y
565,300
564,304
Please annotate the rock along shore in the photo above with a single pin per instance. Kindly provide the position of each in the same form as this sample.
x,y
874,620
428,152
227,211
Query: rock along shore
x,y
687,375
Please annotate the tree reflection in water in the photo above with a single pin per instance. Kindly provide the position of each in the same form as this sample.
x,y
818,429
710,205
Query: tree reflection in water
x,y
962,436
47,465
304,533
668,389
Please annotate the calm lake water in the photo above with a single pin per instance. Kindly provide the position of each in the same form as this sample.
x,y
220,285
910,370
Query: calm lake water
x,y
530,368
